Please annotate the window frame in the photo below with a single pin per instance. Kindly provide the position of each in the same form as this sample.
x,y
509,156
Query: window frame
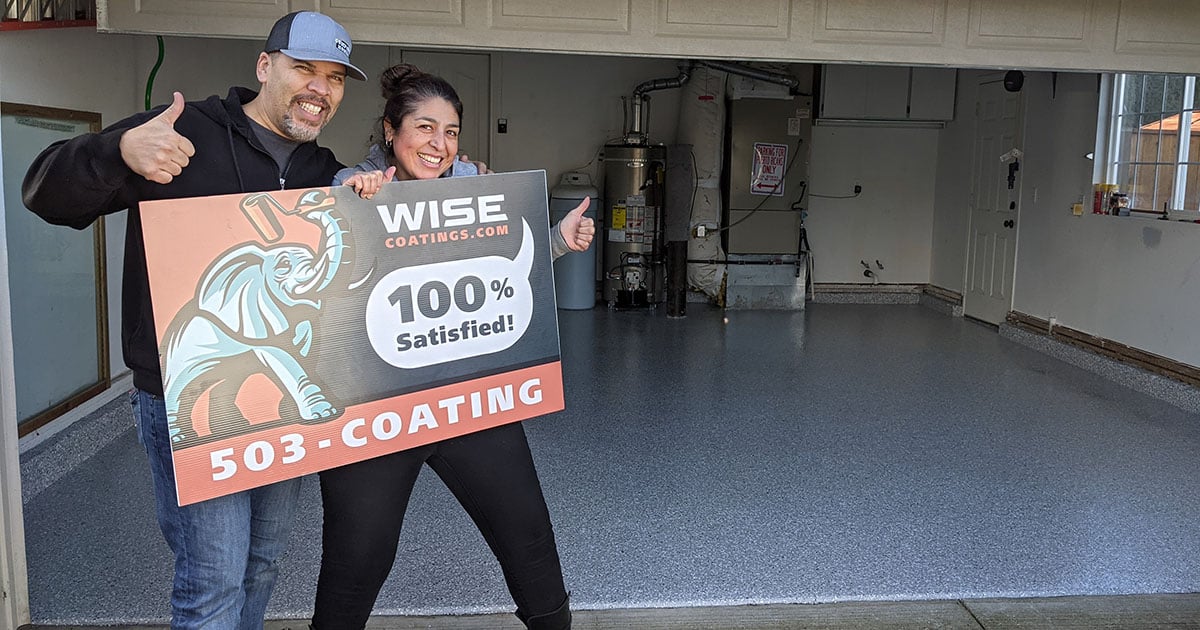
x,y
1111,167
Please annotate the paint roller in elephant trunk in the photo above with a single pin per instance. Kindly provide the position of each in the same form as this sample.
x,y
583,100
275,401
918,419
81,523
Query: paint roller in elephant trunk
x,y
261,209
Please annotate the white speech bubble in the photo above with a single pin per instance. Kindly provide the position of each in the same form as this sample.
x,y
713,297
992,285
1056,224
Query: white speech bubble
x,y
430,314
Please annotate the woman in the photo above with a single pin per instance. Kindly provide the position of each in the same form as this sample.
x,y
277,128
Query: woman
x,y
491,472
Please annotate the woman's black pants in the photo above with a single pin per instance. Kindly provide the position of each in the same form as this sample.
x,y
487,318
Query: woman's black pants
x,y
490,472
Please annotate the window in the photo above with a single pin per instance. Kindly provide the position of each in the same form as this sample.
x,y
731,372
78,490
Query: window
x,y
1154,141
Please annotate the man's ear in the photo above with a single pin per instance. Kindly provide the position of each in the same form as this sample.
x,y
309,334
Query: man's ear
x,y
263,67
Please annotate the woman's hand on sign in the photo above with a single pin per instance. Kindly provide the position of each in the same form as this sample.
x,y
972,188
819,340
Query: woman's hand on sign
x,y
367,183
482,167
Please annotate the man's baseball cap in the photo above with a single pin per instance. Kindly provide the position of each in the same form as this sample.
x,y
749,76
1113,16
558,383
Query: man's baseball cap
x,y
312,36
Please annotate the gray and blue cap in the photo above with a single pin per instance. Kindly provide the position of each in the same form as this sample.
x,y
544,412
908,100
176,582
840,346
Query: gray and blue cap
x,y
312,36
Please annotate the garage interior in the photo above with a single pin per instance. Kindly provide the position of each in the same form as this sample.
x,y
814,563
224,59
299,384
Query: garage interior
x,y
814,422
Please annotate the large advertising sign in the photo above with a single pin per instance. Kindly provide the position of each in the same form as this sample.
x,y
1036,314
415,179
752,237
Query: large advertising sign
x,y
301,330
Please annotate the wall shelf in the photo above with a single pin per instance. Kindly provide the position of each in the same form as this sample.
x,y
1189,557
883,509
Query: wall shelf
x,y
19,25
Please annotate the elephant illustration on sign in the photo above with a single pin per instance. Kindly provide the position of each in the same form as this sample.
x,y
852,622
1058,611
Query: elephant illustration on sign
x,y
252,314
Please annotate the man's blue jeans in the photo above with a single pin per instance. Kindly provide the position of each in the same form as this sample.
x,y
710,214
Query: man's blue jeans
x,y
227,548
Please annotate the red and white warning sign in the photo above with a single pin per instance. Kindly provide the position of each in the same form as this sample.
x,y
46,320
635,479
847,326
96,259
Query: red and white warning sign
x,y
770,164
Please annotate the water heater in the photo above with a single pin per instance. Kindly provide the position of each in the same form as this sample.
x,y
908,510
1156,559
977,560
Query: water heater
x,y
634,267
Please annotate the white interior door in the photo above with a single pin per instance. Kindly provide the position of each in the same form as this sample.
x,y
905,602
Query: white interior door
x,y
991,251
470,74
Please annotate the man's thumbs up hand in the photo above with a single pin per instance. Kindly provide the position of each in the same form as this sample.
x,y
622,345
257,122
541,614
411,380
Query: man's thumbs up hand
x,y
153,149
172,113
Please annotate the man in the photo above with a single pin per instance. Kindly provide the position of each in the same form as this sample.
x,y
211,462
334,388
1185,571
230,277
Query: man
x,y
226,549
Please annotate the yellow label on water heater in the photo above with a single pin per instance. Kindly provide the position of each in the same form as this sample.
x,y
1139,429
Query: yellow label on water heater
x,y
618,217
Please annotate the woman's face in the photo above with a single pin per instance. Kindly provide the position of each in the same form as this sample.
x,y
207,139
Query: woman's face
x,y
425,144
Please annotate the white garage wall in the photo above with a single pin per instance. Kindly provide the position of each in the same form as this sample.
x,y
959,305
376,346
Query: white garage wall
x,y
1132,280
891,221
561,109
948,258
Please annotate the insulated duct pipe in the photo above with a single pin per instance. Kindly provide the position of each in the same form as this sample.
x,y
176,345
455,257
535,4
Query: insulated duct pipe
x,y
791,82
636,136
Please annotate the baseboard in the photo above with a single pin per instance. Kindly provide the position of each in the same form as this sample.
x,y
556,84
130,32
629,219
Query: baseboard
x,y
946,295
838,293
928,295
44,460
120,385
845,287
1151,374
1126,354
942,300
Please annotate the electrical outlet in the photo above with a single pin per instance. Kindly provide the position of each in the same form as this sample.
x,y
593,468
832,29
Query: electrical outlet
x,y
501,125
857,189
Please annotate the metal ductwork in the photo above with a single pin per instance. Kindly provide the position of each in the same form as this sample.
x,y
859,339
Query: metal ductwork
x,y
636,135
791,82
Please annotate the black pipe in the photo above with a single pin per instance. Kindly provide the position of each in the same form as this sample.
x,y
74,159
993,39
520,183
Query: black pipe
x,y
677,278
791,82
663,84
726,261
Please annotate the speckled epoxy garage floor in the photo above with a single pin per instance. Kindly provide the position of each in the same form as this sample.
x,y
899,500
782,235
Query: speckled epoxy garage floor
x,y
843,453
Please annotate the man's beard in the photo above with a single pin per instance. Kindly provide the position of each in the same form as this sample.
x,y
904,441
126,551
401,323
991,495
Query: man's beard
x,y
300,132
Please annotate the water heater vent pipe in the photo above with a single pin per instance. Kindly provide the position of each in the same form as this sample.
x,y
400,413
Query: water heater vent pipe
x,y
636,135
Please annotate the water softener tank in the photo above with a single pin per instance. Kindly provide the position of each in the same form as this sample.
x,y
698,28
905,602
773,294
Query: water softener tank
x,y
575,272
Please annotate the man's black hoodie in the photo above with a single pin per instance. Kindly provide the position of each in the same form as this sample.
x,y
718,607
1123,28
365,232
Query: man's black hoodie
x,y
75,181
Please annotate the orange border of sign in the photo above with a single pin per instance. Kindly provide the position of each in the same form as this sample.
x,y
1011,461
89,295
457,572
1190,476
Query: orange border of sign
x,y
327,445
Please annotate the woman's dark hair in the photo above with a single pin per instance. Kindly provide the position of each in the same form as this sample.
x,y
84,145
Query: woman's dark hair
x,y
404,86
